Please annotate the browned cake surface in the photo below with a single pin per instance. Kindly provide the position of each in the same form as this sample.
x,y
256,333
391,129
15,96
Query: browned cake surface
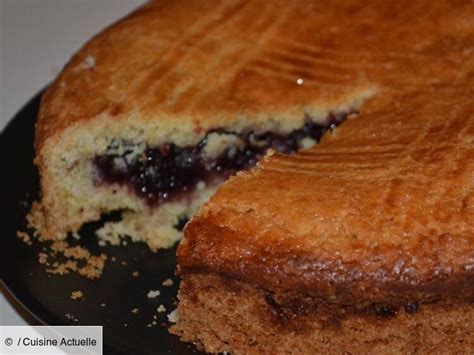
x,y
381,213
201,61
173,70
204,63
387,200
381,209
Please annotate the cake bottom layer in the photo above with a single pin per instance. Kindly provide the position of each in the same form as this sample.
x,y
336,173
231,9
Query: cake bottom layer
x,y
219,314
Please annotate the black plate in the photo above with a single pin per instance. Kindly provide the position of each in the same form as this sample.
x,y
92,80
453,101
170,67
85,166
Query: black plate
x,y
47,297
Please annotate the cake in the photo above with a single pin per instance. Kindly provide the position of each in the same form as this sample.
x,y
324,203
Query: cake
x,y
365,242
155,112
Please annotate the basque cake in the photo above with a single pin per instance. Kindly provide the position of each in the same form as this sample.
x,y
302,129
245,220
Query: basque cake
x,y
152,114
365,242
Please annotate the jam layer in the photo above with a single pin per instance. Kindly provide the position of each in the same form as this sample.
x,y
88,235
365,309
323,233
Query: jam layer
x,y
168,172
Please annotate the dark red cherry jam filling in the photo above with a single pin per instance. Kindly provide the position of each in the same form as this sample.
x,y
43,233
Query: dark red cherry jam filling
x,y
164,173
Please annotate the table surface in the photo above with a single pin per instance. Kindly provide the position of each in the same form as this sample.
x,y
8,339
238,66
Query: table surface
x,y
37,37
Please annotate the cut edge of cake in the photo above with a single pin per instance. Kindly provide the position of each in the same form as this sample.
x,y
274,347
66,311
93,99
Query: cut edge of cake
x,y
71,191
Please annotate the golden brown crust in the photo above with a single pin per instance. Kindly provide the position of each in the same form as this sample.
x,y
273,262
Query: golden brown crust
x,y
220,314
387,198
195,62
170,72
382,208
379,209
190,63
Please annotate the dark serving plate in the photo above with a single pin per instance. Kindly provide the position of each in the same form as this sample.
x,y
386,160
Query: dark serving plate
x,y
47,297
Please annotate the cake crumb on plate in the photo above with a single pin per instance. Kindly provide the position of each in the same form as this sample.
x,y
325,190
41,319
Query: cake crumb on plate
x,y
167,283
25,237
43,258
153,293
173,316
75,295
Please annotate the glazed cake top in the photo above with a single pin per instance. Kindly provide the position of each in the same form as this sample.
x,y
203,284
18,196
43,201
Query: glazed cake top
x,y
203,64
382,210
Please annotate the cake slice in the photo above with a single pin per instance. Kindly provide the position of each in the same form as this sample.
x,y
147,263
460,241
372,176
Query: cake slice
x,y
362,244
365,242
154,113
